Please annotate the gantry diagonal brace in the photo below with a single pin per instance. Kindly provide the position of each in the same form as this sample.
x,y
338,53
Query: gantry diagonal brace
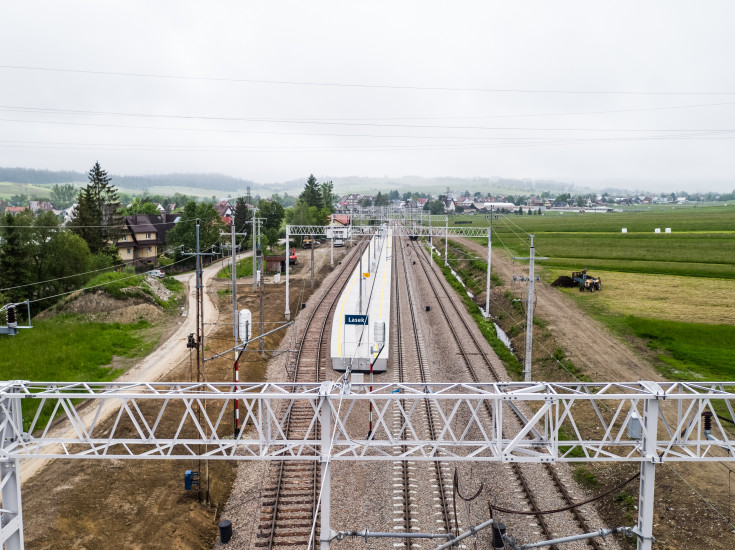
x,y
157,421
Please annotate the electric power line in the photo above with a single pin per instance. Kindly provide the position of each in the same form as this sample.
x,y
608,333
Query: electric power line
x,y
360,85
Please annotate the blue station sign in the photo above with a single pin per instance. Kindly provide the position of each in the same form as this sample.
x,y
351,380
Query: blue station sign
x,y
356,319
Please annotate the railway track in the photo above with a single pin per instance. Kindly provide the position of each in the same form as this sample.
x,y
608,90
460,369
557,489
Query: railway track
x,y
288,503
409,345
438,285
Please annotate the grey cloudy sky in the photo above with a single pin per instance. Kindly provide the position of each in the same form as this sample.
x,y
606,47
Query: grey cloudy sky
x,y
271,91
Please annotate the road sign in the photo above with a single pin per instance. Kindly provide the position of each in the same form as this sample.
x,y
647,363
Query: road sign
x,y
356,319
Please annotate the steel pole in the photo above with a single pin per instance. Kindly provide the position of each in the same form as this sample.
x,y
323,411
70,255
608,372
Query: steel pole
x,y
255,263
11,529
529,317
446,241
644,527
359,305
489,260
287,313
235,325
325,530
198,293
431,243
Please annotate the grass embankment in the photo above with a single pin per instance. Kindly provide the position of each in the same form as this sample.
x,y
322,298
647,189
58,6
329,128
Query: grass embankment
x,y
123,285
486,326
69,348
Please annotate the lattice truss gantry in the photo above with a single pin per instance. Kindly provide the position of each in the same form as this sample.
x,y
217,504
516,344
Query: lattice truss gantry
x,y
398,230
600,422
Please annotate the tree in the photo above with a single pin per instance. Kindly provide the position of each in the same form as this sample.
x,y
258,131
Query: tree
x,y
273,213
381,200
394,195
184,232
96,217
326,189
18,200
312,194
140,206
15,254
434,207
62,196
36,251
366,202
243,223
286,200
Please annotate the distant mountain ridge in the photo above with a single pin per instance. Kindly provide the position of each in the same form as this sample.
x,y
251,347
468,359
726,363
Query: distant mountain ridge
x,y
343,185
202,181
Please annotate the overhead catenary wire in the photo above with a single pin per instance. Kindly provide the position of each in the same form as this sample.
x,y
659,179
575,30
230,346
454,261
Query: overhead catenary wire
x,y
366,86
71,227
94,286
48,110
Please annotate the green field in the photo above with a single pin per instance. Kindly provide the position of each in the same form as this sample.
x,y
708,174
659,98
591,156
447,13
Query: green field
x,y
8,189
675,291
701,242
71,348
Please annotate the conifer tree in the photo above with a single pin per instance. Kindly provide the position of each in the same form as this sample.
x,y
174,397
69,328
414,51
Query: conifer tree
x,y
96,217
312,194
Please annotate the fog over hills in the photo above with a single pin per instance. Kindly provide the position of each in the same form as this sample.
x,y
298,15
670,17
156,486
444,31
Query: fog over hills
x,y
220,183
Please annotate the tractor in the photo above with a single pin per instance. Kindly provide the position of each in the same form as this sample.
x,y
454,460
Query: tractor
x,y
586,281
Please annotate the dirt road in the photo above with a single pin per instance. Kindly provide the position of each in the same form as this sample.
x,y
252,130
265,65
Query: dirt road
x,y
156,364
594,349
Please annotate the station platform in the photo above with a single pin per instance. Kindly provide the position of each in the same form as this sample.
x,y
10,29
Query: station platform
x,y
361,326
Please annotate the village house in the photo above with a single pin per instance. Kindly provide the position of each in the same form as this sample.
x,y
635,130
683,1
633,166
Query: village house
x,y
15,210
143,238
40,206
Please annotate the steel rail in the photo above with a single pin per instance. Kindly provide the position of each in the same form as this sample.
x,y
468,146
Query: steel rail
x,y
555,477
333,292
516,467
421,363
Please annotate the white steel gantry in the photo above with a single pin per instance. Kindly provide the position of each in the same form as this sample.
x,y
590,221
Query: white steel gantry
x,y
645,422
398,229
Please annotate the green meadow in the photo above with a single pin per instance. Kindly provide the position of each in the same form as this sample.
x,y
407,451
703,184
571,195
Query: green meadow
x,y
71,348
676,291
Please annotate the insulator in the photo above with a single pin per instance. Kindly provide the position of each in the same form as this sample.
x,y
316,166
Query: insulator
x,y
498,532
191,343
707,418
12,320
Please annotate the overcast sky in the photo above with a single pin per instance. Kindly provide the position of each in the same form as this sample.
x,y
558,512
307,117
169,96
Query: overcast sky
x,y
625,94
